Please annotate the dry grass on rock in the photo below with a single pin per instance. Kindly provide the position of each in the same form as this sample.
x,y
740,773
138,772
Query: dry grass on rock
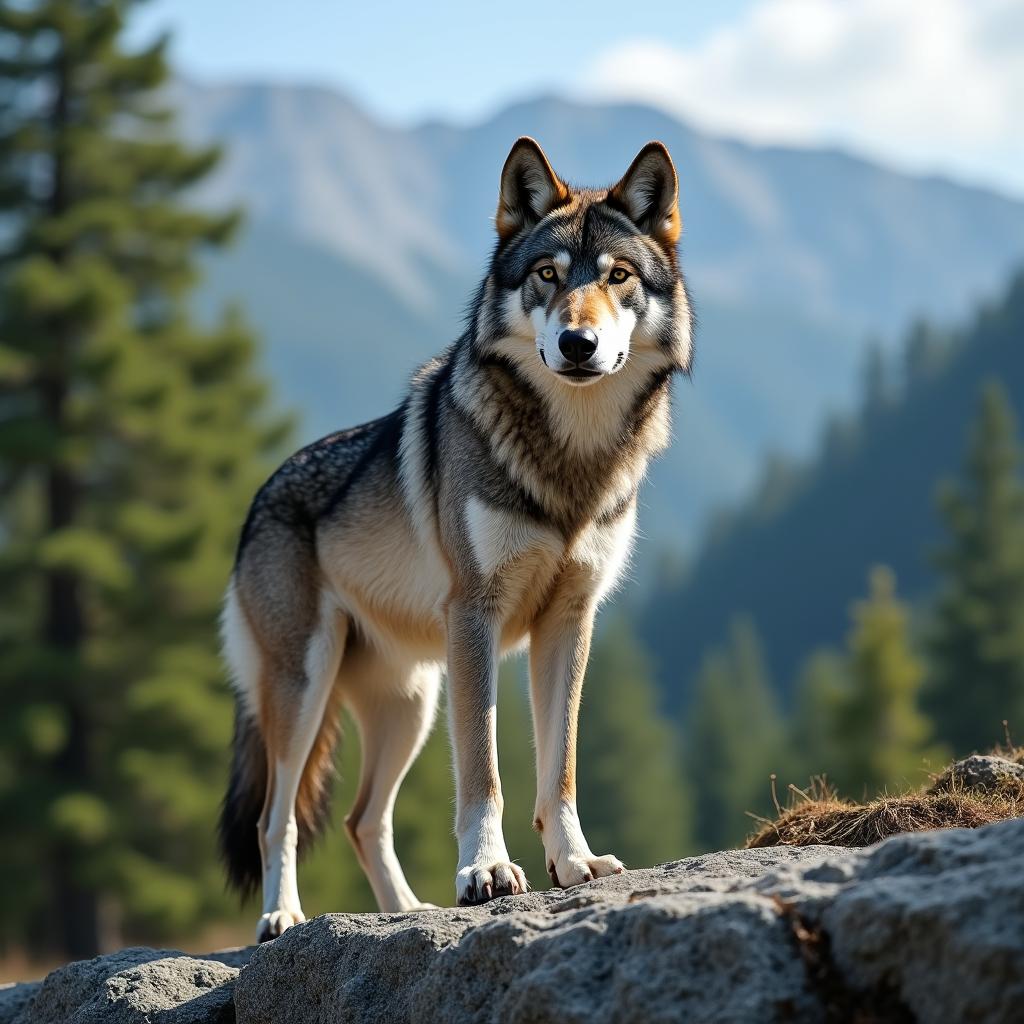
x,y
968,794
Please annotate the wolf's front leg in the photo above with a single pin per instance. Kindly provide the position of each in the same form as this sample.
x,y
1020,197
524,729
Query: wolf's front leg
x,y
559,647
485,870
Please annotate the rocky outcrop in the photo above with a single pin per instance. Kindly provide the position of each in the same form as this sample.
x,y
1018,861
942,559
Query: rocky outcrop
x,y
924,927
980,773
133,985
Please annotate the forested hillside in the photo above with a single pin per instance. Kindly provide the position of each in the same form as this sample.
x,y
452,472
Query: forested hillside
x,y
792,557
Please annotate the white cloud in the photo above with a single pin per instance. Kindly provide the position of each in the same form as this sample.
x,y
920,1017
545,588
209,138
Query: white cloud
x,y
930,85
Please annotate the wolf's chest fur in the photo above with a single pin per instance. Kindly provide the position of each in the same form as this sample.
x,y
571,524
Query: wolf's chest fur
x,y
520,560
397,584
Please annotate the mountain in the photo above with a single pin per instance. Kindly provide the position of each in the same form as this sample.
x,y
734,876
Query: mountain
x,y
795,557
339,344
365,241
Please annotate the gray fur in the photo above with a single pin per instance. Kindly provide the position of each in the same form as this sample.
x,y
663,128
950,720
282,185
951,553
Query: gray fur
x,y
494,506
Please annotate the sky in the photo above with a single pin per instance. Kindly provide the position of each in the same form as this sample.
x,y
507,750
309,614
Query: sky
x,y
929,86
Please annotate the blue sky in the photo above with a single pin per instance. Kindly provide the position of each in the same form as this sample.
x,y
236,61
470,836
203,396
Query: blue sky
x,y
409,60
930,86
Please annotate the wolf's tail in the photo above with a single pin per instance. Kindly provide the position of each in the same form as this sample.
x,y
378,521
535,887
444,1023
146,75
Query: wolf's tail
x,y
243,805
247,792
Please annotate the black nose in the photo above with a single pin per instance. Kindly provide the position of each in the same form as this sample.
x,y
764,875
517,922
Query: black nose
x,y
577,346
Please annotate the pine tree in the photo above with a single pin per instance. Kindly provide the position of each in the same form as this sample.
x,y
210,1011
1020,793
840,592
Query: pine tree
x,y
977,639
857,718
634,801
817,748
878,727
734,740
877,386
926,352
130,442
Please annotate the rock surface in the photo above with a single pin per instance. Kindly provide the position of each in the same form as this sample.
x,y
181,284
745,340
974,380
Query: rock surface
x,y
14,999
133,985
981,773
925,927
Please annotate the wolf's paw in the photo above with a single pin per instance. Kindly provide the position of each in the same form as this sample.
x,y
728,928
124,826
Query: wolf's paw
x,y
479,883
276,923
576,870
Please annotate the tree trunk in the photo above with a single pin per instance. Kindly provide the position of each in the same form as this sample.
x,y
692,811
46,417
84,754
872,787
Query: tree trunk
x,y
75,910
75,903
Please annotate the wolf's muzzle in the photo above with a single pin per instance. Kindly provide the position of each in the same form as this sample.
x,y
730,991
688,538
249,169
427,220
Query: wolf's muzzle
x,y
577,345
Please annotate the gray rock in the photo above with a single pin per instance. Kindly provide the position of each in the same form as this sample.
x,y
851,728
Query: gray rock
x,y
710,956
980,772
938,919
137,986
14,999
926,927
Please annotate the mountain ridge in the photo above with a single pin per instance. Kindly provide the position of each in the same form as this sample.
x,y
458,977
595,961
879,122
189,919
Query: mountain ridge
x,y
794,258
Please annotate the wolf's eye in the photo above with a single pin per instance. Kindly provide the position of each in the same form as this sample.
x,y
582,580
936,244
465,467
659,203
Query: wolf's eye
x,y
618,275
547,273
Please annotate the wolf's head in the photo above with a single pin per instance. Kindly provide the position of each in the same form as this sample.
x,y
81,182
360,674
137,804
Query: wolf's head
x,y
585,283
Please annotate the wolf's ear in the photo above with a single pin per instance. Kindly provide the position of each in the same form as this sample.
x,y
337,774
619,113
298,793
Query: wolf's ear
x,y
530,189
649,194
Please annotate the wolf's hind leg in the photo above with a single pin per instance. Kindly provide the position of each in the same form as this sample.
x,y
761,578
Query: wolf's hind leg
x,y
297,713
394,710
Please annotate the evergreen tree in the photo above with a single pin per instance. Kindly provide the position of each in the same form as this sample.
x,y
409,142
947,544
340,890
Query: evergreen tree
x,y
839,439
877,386
734,740
634,801
816,746
878,726
926,352
857,718
977,640
130,443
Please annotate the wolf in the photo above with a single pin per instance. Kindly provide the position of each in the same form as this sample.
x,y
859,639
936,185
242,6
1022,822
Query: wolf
x,y
493,510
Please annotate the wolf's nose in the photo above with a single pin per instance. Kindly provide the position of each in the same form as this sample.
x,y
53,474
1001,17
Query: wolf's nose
x,y
577,345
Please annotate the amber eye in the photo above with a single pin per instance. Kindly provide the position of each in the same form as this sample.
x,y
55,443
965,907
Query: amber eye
x,y
618,275
547,273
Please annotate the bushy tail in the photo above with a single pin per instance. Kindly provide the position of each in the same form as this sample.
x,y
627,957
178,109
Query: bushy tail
x,y
243,805
247,790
